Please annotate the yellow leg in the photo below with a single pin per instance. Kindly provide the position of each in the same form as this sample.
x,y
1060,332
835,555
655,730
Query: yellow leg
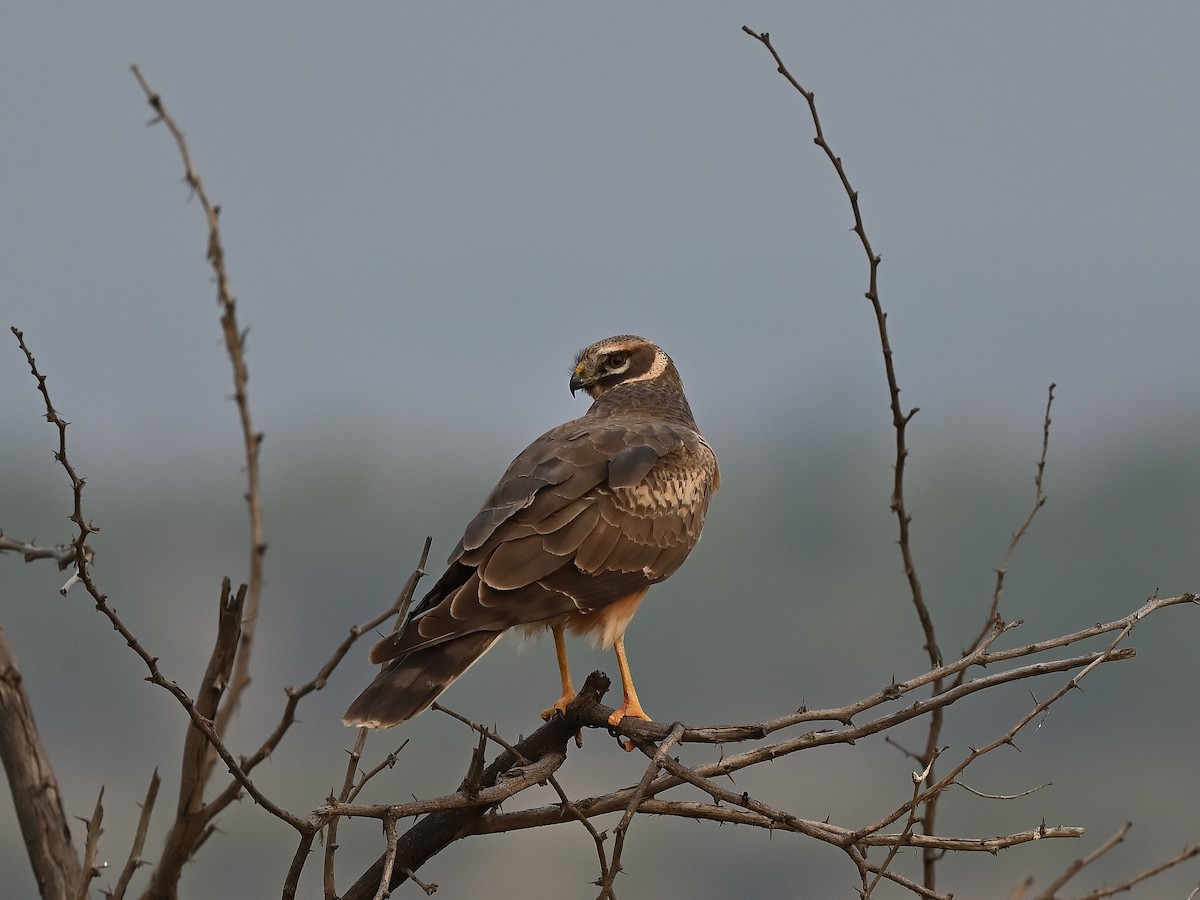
x,y
630,705
564,670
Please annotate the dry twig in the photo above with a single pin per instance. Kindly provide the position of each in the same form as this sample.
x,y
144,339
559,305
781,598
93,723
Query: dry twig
x,y
91,847
235,345
135,860
900,420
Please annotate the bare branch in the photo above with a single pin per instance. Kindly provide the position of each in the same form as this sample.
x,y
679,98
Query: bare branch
x,y
34,787
900,418
84,576
387,762
1025,793
331,845
291,881
389,859
918,778
1051,891
734,815
91,845
135,860
295,695
428,887
192,815
1080,864
1039,500
235,345
62,554
597,838
546,747
657,761
1038,710
531,774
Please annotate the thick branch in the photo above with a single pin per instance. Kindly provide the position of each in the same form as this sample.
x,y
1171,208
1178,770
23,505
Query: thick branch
x,y
438,829
192,818
33,786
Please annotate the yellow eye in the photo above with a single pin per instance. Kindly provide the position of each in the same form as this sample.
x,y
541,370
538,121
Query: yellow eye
x,y
616,360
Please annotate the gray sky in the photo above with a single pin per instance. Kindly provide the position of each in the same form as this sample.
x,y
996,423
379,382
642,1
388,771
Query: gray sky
x,y
428,208
425,203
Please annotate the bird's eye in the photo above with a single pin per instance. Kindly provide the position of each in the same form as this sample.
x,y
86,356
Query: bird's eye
x,y
616,360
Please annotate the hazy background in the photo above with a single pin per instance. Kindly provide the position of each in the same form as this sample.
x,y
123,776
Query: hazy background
x,y
428,208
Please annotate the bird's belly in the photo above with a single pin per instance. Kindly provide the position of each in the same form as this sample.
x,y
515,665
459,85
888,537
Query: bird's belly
x,y
603,625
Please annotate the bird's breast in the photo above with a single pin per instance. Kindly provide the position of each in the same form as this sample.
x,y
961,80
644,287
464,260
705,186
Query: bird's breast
x,y
680,484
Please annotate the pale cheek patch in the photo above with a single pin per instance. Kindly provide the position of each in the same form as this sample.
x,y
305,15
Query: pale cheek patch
x,y
656,368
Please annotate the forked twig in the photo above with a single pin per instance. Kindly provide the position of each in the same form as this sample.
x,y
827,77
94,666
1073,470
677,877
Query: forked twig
x,y
1039,500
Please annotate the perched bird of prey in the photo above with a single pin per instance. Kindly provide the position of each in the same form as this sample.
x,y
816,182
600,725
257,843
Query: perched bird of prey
x,y
586,518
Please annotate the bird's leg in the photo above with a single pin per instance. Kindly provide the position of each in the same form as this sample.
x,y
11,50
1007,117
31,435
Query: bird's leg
x,y
564,669
568,689
630,705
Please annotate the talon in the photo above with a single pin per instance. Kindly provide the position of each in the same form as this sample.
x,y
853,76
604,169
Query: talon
x,y
559,708
633,710
630,708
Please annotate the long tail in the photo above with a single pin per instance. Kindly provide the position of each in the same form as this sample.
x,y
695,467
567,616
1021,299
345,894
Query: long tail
x,y
409,684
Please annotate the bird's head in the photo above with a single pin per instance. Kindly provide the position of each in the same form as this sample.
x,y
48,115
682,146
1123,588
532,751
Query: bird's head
x,y
623,359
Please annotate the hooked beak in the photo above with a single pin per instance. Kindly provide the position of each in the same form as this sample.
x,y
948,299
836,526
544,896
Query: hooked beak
x,y
580,379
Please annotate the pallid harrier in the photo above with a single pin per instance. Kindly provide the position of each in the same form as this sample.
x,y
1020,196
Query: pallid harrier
x,y
586,518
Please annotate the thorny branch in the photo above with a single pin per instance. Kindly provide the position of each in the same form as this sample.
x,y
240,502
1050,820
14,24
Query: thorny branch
x,y
235,346
83,576
1057,884
62,554
658,760
194,818
90,846
135,860
230,656
1039,500
900,418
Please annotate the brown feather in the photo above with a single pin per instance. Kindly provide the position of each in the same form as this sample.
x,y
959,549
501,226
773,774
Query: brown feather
x,y
409,684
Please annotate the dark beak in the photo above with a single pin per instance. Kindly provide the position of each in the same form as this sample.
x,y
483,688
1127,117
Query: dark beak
x,y
576,383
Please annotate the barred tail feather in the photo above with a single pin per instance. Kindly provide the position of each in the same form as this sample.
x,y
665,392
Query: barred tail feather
x,y
410,683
